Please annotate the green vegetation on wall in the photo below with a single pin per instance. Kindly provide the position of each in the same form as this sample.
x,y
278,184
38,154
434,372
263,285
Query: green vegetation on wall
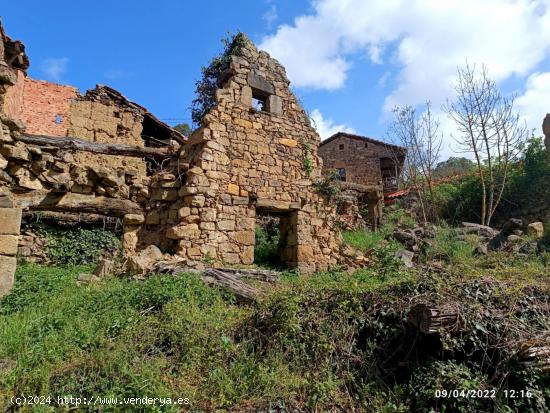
x,y
205,88
68,246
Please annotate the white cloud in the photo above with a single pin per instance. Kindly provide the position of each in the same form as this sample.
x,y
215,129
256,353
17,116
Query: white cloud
x,y
270,15
534,104
54,68
429,39
326,127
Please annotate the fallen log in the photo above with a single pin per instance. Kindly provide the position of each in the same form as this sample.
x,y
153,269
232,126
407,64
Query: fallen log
x,y
253,274
71,202
535,355
242,291
431,320
230,278
75,144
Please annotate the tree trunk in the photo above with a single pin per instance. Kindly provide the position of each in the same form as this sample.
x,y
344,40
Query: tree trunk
x,y
431,320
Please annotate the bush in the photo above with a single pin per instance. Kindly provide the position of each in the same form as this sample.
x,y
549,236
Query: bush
x,y
266,248
527,189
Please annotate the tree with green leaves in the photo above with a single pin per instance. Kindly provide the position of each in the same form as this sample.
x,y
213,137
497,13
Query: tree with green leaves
x,y
205,88
183,128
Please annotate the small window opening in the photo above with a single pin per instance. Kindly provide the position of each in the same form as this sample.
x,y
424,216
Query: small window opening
x,y
259,101
341,147
342,174
366,145
58,119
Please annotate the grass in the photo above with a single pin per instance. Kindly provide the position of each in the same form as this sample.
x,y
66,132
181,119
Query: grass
x,y
330,342
448,246
368,240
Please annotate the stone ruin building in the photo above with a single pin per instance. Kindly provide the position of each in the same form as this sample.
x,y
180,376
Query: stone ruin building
x,y
197,200
367,169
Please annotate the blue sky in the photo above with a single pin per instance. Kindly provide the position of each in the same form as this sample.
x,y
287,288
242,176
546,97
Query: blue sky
x,y
350,61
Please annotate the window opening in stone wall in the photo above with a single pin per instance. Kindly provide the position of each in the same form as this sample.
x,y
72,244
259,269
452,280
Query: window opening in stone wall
x,y
366,145
341,147
58,119
342,174
259,101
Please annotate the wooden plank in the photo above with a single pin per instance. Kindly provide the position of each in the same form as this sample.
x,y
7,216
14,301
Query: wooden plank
x,y
71,202
75,144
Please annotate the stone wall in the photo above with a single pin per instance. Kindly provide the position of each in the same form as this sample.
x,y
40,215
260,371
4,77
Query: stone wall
x,y
201,208
43,107
31,247
10,219
50,109
360,159
106,123
243,160
366,161
359,206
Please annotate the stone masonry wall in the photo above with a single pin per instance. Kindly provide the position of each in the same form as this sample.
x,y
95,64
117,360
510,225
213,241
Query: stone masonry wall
x,y
10,217
361,159
50,109
242,160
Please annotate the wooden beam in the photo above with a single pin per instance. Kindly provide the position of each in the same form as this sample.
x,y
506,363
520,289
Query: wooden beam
x,y
75,144
71,202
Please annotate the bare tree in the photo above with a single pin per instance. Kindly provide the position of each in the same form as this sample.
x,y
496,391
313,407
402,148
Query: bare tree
x,y
489,129
419,134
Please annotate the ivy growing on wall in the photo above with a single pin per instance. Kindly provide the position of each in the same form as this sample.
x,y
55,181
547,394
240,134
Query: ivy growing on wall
x,y
205,88
306,158
328,186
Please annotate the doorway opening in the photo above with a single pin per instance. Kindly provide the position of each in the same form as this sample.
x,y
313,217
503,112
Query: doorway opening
x,y
276,238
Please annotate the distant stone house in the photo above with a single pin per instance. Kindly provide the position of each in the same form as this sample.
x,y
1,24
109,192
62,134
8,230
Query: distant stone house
x,y
363,160
368,169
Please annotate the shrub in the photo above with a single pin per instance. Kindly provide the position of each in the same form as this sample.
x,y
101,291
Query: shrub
x,y
266,248
206,87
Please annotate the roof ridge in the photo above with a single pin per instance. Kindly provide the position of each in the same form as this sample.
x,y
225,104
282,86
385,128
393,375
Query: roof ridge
x,y
367,138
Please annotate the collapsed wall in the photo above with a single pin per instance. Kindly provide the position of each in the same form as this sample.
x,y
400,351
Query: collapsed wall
x,y
12,58
255,152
